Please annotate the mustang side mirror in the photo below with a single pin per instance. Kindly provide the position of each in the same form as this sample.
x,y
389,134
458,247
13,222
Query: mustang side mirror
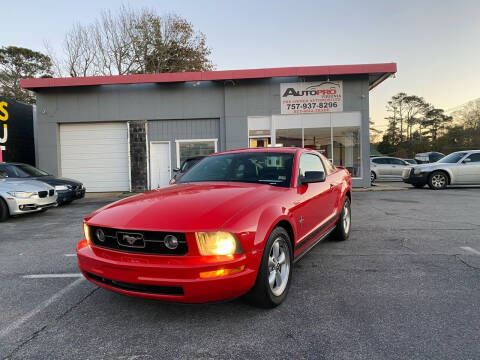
x,y
467,160
313,177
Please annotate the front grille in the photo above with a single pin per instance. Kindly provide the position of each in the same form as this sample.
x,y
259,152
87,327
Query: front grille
x,y
51,192
142,288
42,194
152,243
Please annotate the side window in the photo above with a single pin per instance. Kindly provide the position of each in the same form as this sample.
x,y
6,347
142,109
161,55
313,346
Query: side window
x,y
397,162
309,162
474,157
329,166
379,161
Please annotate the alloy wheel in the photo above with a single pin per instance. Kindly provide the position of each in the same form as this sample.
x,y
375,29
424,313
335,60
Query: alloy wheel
x,y
278,266
347,218
439,181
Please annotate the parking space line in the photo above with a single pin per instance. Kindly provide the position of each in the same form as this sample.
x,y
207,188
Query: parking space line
x,y
70,255
38,309
46,276
472,250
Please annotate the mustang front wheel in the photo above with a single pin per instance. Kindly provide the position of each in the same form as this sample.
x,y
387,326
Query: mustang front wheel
x,y
274,275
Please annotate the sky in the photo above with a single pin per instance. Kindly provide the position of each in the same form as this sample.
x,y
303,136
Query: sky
x,y
435,43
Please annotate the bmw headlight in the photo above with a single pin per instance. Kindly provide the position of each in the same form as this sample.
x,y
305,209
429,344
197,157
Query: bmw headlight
x,y
22,194
61,187
217,243
417,171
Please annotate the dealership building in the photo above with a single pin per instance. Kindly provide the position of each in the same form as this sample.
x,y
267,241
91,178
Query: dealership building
x,y
128,132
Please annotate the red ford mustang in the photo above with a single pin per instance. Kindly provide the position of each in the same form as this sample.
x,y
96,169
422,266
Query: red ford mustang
x,y
233,225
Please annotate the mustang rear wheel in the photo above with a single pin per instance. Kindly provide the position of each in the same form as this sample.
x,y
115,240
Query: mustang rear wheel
x,y
275,271
4,213
342,230
438,180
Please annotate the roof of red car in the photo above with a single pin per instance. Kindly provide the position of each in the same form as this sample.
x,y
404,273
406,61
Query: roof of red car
x,y
376,72
288,150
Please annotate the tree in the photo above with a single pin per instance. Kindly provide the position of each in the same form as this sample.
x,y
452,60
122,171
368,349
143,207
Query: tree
x,y
17,63
133,42
405,111
434,121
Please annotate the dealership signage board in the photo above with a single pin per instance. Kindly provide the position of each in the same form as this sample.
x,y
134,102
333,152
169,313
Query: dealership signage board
x,y
311,97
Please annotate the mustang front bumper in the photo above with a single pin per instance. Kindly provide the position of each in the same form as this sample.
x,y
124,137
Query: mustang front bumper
x,y
164,277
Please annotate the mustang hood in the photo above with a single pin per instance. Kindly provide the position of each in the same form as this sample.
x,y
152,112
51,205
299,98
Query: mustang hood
x,y
183,207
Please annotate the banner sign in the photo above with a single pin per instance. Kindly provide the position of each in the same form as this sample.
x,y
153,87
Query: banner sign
x,y
311,97
16,131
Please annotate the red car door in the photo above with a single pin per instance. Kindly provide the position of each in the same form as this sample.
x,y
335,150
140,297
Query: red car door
x,y
315,201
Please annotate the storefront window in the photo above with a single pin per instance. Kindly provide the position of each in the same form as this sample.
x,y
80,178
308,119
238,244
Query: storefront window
x,y
187,149
260,142
289,137
335,135
346,149
259,138
319,139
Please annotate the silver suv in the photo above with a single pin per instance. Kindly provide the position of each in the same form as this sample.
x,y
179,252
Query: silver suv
x,y
458,168
385,167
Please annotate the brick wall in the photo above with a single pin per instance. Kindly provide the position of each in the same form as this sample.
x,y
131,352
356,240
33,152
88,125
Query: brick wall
x,y
138,154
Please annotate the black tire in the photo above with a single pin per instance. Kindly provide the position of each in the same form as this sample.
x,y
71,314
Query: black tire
x,y
261,294
418,186
373,177
344,224
437,180
4,213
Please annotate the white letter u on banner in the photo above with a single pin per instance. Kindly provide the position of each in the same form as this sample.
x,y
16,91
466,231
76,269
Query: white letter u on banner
x,y
3,139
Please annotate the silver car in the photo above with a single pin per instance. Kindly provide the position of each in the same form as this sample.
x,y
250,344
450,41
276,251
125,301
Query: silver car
x,y
18,196
387,168
458,168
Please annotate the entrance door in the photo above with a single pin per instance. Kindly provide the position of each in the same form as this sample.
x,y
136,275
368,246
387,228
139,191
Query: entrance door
x,y
159,164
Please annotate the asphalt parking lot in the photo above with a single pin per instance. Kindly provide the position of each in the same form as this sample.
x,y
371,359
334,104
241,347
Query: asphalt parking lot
x,y
405,286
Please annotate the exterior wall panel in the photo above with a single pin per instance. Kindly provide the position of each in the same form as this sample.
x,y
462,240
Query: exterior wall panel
x,y
191,110
171,130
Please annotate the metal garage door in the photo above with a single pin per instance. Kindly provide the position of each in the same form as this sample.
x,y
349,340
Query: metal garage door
x,y
96,154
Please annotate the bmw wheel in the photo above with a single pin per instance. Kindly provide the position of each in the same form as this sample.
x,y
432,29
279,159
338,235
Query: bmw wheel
x,y
275,271
438,180
342,230
4,213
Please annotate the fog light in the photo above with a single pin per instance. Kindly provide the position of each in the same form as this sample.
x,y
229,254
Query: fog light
x,y
221,272
100,235
171,242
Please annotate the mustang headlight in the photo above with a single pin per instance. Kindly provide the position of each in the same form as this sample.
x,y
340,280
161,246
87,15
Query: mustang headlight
x,y
61,187
86,231
217,243
22,194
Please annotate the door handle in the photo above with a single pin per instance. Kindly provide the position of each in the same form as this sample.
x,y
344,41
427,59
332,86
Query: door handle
x,y
332,186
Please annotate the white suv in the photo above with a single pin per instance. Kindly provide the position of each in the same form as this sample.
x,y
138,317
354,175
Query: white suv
x,y
458,168
384,168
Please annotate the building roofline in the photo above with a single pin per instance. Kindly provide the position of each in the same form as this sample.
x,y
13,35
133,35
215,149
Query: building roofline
x,y
382,70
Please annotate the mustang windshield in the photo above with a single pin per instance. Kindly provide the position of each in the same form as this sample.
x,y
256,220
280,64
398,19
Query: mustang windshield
x,y
452,158
254,167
